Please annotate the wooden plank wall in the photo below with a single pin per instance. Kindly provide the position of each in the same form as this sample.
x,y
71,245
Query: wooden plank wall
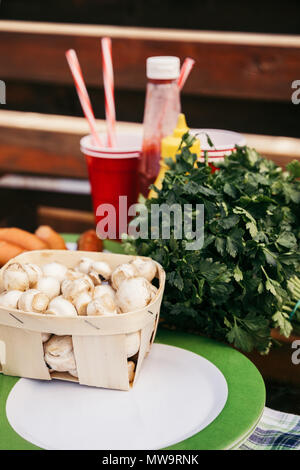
x,y
257,66
242,81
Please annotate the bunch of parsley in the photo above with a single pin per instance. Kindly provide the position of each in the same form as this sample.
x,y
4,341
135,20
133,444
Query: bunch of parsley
x,y
236,286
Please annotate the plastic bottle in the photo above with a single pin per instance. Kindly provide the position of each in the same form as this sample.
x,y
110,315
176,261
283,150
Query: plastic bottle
x,y
162,107
169,149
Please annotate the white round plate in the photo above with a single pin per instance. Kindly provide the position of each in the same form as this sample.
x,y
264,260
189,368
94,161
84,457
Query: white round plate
x,y
177,395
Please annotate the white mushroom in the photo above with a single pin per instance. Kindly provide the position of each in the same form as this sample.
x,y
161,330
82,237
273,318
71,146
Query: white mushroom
x,y
49,286
145,267
132,341
133,294
15,277
61,307
10,298
34,272
81,303
21,276
104,289
33,301
45,337
102,268
131,367
92,277
96,270
56,270
122,272
84,265
103,305
71,289
95,277
59,353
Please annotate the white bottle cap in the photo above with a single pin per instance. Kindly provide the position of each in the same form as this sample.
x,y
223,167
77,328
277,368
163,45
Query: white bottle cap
x,y
163,67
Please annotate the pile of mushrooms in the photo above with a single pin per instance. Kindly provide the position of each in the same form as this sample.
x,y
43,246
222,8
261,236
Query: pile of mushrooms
x,y
91,288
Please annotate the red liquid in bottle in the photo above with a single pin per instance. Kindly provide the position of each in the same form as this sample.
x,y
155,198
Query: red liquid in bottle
x,y
162,107
149,165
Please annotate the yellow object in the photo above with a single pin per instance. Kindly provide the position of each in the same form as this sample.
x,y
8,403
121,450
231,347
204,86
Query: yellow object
x,y
169,149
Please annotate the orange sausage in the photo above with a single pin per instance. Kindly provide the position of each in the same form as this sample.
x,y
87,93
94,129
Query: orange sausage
x,y
25,240
8,251
89,241
52,238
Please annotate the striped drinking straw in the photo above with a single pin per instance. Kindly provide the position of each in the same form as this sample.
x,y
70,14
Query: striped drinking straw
x,y
83,94
108,82
185,70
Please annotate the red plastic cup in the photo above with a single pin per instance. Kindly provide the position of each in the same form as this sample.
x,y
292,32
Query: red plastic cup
x,y
113,175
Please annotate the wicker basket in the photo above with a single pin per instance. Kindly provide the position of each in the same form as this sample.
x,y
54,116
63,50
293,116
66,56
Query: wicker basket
x,y
99,342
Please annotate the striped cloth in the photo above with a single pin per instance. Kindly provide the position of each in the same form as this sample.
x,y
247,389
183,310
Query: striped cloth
x,y
275,431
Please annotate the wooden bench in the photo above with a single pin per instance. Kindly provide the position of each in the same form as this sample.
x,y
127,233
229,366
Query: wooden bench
x,y
49,145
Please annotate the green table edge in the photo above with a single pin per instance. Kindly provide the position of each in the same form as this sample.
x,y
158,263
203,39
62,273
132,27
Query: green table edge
x,y
246,392
242,411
